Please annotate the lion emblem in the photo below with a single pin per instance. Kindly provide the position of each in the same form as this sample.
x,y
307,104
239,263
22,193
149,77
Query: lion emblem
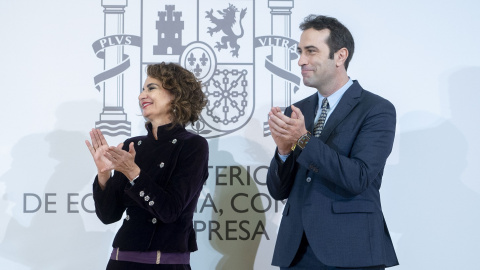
x,y
226,25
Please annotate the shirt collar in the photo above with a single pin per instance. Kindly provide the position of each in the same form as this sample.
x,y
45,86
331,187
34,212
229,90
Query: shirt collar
x,y
334,98
165,132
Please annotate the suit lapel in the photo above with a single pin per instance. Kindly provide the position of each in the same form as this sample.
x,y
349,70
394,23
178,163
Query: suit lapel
x,y
309,111
349,100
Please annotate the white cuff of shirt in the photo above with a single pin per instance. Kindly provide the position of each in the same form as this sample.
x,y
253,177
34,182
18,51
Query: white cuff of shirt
x,y
283,157
133,180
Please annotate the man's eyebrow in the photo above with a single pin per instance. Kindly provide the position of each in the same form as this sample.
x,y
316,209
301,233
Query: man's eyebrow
x,y
307,48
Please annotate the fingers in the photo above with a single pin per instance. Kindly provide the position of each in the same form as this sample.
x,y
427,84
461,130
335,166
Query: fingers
x,y
93,139
102,138
114,158
120,159
277,126
94,135
114,152
294,115
97,138
284,128
297,112
300,122
90,147
279,122
131,149
275,110
278,132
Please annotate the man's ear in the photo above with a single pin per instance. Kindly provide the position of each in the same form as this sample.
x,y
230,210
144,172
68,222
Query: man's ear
x,y
341,56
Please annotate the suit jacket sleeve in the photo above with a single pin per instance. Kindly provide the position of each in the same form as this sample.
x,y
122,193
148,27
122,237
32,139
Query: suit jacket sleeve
x,y
109,205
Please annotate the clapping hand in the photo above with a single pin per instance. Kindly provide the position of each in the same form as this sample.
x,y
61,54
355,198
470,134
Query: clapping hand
x,y
98,148
123,161
286,130
109,158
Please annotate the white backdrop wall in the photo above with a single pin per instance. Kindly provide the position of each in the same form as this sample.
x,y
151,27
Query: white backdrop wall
x,y
421,55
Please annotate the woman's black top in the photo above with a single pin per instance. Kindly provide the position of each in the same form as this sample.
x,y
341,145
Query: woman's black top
x,y
161,203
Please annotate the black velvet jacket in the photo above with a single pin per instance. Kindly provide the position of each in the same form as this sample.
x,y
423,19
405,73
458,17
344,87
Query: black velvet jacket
x,y
161,203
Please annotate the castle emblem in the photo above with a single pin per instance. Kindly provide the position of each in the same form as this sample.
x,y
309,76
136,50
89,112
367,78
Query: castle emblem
x,y
169,27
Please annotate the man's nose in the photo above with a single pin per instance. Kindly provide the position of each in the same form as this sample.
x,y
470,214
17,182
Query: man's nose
x,y
302,60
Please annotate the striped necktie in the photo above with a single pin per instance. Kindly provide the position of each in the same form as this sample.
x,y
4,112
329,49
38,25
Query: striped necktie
x,y
317,130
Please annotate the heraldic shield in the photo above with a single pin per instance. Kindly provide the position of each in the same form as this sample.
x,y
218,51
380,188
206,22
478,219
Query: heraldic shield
x,y
214,40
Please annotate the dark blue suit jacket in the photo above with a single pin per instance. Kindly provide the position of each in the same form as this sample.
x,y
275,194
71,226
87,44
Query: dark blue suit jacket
x,y
332,185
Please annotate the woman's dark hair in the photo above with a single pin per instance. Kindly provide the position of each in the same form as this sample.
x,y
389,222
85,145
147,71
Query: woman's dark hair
x,y
189,99
339,37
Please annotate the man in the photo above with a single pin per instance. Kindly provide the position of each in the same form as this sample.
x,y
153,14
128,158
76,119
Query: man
x,y
331,152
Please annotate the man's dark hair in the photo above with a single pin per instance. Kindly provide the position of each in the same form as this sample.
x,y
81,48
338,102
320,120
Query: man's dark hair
x,y
339,37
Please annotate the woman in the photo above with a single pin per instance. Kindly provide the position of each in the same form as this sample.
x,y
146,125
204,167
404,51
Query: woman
x,y
156,178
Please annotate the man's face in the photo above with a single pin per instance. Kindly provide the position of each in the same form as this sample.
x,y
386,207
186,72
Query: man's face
x,y
318,70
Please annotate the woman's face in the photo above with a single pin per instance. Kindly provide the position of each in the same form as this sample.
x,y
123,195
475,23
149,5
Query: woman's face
x,y
155,102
